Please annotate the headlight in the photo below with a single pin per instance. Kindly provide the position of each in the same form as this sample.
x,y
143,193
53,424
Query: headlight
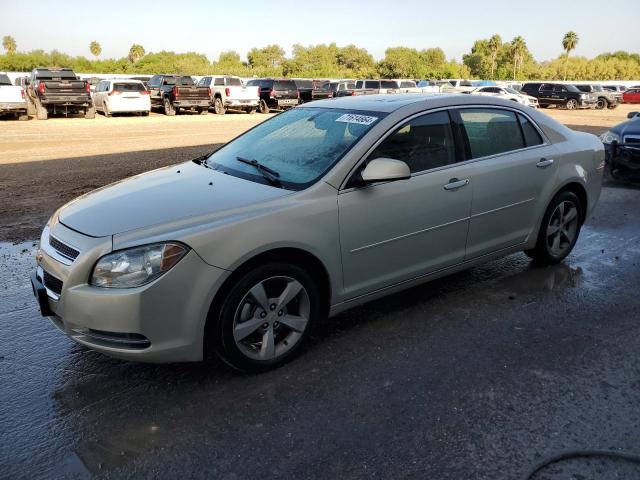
x,y
584,95
609,137
136,266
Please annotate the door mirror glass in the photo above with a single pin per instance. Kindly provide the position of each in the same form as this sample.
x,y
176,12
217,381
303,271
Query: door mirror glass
x,y
385,170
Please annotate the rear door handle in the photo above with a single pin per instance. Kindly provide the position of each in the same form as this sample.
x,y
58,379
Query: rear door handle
x,y
455,184
544,162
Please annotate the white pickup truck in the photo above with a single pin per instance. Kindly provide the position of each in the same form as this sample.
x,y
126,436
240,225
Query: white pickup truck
x,y
12,99
228,93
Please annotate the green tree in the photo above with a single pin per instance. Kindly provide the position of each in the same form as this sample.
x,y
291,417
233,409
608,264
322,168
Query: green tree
x,y
267,60
518,49
9,44
569,43
136,52
494,44
95,48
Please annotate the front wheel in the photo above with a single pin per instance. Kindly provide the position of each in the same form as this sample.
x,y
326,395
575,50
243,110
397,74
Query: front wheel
x,y
266,317
218,107
572,104
602,104
559,229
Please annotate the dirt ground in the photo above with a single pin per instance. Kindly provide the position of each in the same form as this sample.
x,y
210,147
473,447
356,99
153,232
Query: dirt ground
x,y
44,164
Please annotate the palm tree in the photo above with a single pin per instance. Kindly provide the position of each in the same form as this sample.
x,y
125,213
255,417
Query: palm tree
x,y
518,48
569,42
495,43
95,48
9,44
136,52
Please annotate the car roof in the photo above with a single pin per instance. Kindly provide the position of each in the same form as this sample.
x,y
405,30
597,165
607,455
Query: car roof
x,y
391,102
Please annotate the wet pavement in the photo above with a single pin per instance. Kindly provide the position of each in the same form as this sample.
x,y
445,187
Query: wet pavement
x,y
483,374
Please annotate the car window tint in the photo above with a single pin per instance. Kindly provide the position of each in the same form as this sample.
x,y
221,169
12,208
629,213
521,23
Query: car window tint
x,y
388,84
218,81
531,135
423,143
234,82
491,131
359,84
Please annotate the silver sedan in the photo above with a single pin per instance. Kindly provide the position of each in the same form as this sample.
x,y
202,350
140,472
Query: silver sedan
x,y
321,208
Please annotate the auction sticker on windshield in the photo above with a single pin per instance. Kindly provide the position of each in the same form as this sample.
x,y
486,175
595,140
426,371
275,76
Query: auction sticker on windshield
x,y
355,118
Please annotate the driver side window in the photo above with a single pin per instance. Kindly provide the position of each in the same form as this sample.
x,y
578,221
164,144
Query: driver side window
x,y
423,143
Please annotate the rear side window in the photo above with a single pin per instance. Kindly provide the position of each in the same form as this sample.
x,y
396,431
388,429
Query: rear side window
x,y
155,81
218,82
359,84
186,81
371,84
531,135
205,81
491,131
423,143
128,87
388,84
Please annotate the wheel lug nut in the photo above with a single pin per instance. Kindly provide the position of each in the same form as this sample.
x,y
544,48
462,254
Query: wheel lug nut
x,y
272,306
280,313
263,314
265,325
276,324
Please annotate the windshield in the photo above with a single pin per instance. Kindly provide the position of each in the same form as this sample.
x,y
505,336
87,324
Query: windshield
x,y
512,91
128,87
4,80
300,145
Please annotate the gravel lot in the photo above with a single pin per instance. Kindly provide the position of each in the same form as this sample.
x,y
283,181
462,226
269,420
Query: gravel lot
x,y
44,164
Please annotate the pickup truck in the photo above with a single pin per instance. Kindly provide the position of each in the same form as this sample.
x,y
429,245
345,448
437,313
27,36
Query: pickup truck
x,y
12,99
372,87
606,99
53,91
174,93
228,93
311,90
276,94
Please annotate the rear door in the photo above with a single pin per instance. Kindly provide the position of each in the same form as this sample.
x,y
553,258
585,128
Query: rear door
x,y
394,231
155,92
513,176
546,94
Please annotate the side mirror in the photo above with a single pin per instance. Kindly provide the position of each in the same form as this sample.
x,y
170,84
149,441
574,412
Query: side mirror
x,y
385,170
632,114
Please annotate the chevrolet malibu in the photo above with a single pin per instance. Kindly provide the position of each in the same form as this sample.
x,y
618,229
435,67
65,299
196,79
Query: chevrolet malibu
x,y
321,208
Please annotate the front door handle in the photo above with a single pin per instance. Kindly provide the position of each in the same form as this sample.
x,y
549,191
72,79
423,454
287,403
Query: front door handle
x,y
455,184
544,162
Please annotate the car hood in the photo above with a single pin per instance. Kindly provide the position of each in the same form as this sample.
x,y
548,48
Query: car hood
x,y
161,196
630,127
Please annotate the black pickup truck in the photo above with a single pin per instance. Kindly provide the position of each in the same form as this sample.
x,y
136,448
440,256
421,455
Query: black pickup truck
x,y
311,90
174,93
275,94
53,91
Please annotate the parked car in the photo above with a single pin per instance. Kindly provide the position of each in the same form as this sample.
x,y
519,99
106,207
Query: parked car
x,y
615,88
407,86
176,93
455,85
374,87
276,94
342,88
311,90
506,93
311,212
53,91
567,96
622,147
228,93
604,98
632,95
428,86
121,96
12,99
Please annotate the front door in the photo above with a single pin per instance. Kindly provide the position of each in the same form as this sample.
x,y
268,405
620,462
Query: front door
x,y
394,231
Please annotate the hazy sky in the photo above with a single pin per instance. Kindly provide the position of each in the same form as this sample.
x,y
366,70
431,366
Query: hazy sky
x,y
210,27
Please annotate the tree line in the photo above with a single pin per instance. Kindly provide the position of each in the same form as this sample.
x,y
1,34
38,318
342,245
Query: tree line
x,y
490,58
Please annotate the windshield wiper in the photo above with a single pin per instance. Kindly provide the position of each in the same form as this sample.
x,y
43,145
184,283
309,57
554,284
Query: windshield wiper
x,y
270,175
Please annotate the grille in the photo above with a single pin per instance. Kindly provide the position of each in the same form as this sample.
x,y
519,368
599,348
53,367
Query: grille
x,y
52,283
632,140
63,249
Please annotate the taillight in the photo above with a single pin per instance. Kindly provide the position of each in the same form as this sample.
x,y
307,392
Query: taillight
x,y
174,92
41,88
22,93
209,92
227,92
144,92
298,93
87,87
272,94
259,91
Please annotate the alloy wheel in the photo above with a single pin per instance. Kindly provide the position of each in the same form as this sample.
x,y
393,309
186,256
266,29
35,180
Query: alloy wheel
x,y
562,228
271,318
572,104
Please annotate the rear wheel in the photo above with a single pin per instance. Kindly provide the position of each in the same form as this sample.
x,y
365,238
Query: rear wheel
x,y
266,317
105,109
168,108
572,104
218,106
602,103
264,108
145,114
559,229
41,111
90,112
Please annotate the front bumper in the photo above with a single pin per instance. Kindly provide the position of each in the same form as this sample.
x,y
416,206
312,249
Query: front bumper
x,y
623,157
160,322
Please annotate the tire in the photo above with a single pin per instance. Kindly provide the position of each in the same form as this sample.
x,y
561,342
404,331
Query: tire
x,y
571,104
41,112
558,218
218,106
105,110
169,111
145,114
22,117
90,112
251,111
602,103
254,352
264,108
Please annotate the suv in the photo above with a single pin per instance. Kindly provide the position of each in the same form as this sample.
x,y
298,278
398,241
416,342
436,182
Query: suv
x,y
311,90
560,95
228,92
58,91
605,98
342,88
174,93
372,87
276,94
